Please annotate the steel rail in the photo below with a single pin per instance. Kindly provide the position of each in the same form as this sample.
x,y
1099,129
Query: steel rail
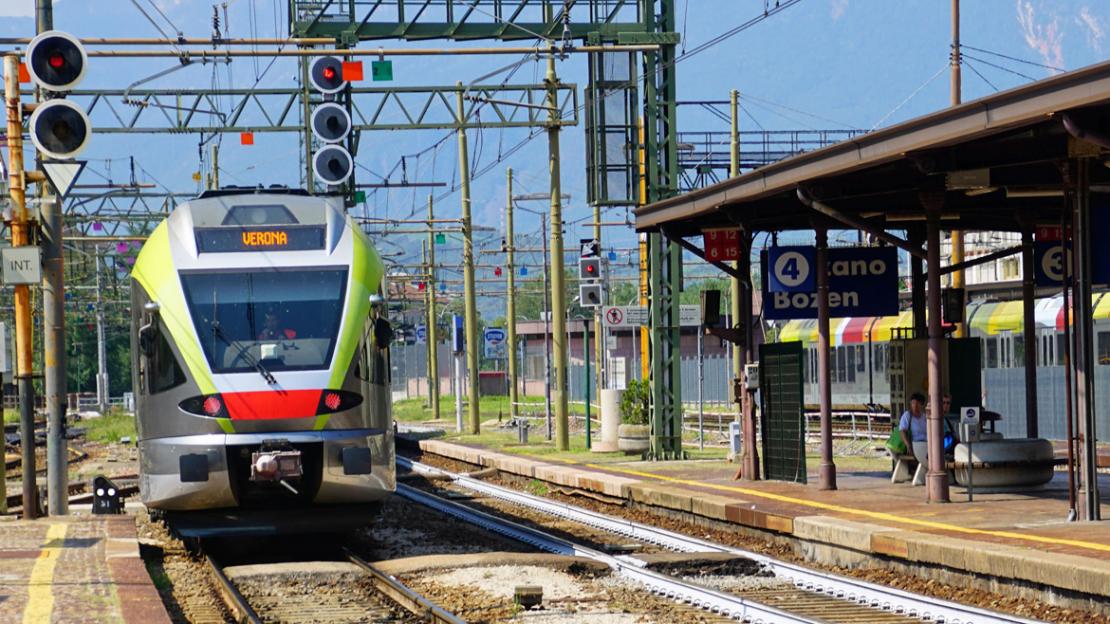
x,y
403,595
861,592
711,600
231,596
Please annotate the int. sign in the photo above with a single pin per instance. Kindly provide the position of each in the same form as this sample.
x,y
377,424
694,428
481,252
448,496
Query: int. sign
x,y
722,244
22,265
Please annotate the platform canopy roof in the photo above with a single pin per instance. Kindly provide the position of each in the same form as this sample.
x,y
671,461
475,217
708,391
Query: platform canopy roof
x,y
997,163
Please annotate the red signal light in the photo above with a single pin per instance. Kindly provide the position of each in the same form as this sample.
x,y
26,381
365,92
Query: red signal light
x,y
329,73
332,400
212,406
56,60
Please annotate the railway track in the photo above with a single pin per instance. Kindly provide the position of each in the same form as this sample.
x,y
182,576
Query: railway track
x,y
359,592
803,595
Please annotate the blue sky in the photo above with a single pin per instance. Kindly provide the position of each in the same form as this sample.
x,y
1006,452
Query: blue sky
x,y
819,64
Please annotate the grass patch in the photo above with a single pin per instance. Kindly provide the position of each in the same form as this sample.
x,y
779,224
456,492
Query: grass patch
x,y
110,427
11,416
417,410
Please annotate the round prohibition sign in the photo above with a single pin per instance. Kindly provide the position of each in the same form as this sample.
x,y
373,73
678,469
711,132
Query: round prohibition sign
x,y
614,315
791,269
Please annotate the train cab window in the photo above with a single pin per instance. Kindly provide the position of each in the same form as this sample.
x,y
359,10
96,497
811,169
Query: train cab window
x,y
281,319
991,352
1103,343
165,373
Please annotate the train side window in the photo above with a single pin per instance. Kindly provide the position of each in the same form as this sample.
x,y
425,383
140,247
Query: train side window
x,y
851,367
805,365
992,352
1103,348
165,373
861,364
1060,349
1019,352
841,365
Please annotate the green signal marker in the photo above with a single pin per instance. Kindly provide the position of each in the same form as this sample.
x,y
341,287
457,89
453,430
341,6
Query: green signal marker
x,y
381,70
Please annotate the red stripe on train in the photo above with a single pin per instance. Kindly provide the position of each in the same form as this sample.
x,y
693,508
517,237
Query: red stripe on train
x,y
271,404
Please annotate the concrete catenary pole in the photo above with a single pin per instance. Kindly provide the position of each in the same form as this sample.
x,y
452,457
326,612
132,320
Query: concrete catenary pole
x,y
54,326
957,238
510,291
558,276
470,303
733,171
547,335
21,238
102,393
433,345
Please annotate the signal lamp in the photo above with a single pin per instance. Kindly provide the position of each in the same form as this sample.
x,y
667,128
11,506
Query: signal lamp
x,y
56,60
60,129
326,75
332,165
589,268
589,295
330,122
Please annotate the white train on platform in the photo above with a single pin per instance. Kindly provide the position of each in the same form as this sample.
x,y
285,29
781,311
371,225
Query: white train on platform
x,y
859,358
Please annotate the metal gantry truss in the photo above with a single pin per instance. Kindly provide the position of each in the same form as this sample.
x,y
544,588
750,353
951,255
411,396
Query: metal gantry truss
x,y
355,20
703,157
278,110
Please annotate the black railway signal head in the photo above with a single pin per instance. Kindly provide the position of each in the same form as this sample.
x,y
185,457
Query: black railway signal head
x,y
589,268
56,60
59,129
330,122
589,295
332,165
326,75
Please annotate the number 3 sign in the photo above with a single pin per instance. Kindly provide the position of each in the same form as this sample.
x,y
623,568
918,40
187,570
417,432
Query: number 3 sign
x,y
790,269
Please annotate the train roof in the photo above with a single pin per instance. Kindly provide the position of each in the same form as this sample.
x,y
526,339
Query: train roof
x,y
251,207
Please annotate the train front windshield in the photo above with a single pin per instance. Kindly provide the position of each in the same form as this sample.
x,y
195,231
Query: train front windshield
x,y
280,319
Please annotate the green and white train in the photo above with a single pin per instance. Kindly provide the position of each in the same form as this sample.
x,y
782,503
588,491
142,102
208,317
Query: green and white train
x,y
261,357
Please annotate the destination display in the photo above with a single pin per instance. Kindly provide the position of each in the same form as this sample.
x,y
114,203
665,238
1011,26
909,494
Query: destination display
x,y
271,238
863,281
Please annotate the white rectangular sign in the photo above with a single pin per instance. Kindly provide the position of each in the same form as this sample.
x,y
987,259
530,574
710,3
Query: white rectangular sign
x,y
22,265
623,317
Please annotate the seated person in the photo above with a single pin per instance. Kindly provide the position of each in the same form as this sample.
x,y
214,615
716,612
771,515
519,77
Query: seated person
x,y
272,329
912,427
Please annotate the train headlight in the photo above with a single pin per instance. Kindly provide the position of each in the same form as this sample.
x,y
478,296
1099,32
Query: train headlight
x,y
210,405
332,401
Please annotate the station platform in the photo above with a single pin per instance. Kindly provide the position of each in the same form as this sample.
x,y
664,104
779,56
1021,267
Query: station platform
x,y
78,568
1023,536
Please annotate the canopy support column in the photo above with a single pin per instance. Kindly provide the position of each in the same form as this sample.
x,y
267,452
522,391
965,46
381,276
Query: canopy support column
x,y
828,468
936,479
1084,333
1029,325
917,288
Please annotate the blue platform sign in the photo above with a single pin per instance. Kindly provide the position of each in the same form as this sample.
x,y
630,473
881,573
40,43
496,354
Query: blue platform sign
x,y
421,334
863,281
458,336
1049,263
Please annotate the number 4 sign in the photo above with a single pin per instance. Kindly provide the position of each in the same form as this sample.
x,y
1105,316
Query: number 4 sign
x,y
790,269
722,244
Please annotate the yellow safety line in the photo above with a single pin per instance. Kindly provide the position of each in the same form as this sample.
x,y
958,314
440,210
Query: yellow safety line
x,y
40,590
877,515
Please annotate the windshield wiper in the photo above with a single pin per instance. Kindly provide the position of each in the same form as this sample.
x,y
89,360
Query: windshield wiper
x,y
245,354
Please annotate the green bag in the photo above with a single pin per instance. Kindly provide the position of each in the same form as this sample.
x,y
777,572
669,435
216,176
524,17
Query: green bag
x,y
895,444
